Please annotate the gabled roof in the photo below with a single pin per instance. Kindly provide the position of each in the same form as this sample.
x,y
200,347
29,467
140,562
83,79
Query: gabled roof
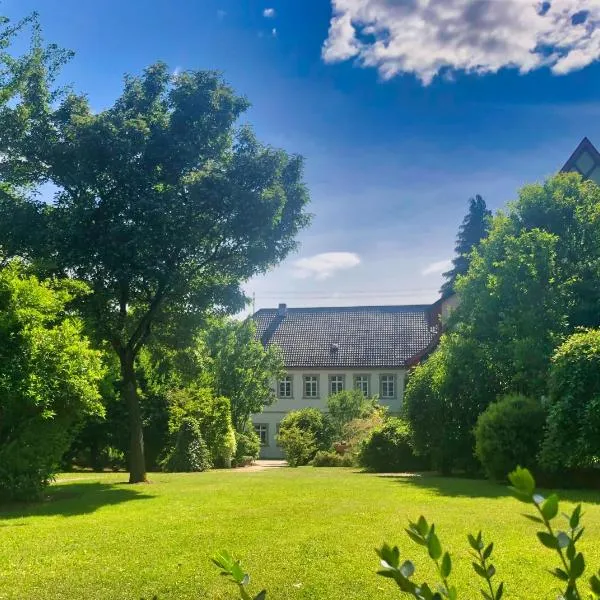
x,y
359,337
585,160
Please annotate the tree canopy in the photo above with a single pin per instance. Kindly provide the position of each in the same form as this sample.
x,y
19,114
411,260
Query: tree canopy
x,y
474,228
162,205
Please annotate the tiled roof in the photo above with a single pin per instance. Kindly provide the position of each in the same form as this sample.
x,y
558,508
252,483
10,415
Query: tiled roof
x,y
350,337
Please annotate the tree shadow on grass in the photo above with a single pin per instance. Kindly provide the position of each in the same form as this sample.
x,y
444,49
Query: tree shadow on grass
x,y
72,499
462,487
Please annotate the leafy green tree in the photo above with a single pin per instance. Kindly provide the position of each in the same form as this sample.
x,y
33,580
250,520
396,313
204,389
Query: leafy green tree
x,y
48,379
162,206
532,281
474,228
242,369
572,439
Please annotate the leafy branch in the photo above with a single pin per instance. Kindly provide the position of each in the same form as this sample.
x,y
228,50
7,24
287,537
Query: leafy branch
x,y
232,569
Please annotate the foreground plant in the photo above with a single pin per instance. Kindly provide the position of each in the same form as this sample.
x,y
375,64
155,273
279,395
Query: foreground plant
x,y
232,569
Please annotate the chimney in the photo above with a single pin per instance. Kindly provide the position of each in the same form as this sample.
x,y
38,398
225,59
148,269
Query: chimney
x,y
282,310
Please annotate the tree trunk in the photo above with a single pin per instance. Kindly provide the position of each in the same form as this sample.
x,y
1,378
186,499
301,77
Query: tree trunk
x,y
137,461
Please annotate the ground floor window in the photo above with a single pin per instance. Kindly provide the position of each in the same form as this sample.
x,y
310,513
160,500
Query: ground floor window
x,y
388,386
361,383
262,430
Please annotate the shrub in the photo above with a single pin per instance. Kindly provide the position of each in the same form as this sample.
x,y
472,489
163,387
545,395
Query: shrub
x,y
190,452
509,433
312,421
48,380
572,439
347,406
358,430
388,449
213,415
297,444
248,444
324,458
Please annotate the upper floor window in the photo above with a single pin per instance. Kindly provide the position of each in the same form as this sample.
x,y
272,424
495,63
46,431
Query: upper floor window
x,y
311,386
336,383
388,386
285,387
361,382
262,430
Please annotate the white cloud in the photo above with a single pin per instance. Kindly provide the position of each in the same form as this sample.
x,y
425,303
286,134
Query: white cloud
x,y
437,267
269,13
322,266
274,32
429,37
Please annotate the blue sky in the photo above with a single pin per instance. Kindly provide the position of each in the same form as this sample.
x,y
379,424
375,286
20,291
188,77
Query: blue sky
x,y
403,109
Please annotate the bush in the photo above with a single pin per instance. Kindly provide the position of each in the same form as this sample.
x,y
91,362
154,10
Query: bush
x,y
213,415
324,458
297,444
248,444
509,433
572,439
388,449
48,381
314,423
190,453
347,406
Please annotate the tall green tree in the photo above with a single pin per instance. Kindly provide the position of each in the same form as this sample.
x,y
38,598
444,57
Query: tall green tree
x,y
474,228
162,206
531,283
242,369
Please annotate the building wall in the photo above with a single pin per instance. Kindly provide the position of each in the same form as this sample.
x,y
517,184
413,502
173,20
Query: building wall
x,y
272,415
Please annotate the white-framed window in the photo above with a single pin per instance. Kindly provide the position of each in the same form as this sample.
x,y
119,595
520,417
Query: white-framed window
x,y
388,386
285,387
262,430
361,382
336,384
311,386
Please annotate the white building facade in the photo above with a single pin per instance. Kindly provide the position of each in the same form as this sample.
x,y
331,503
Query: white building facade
x,y
327,350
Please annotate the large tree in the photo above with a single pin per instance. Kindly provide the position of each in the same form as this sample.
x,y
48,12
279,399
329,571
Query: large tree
x,y
162,206
531,283
474,228
241,368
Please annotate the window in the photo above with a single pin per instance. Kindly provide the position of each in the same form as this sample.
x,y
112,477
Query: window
x,y
262,430
285,387
388,386
361,382
336,383
311,386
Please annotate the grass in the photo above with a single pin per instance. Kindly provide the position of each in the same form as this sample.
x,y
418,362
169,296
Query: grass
x,y
304,534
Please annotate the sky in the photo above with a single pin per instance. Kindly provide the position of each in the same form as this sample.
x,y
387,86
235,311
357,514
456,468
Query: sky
x,y
403,109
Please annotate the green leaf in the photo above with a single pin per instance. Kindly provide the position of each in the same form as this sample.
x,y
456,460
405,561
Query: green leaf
x,y
560,574
577,566
416,537
433,545
389,555
452,593
595,583
479,570
575,517
547,540
446,567
488,551
500,591
523,482
550,507
261,595
407,569
473,542
422,526
533,518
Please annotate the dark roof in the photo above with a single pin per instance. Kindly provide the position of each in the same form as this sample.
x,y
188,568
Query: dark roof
x,y
350,337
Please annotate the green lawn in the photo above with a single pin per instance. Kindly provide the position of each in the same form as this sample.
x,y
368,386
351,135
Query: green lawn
x,y
304,533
